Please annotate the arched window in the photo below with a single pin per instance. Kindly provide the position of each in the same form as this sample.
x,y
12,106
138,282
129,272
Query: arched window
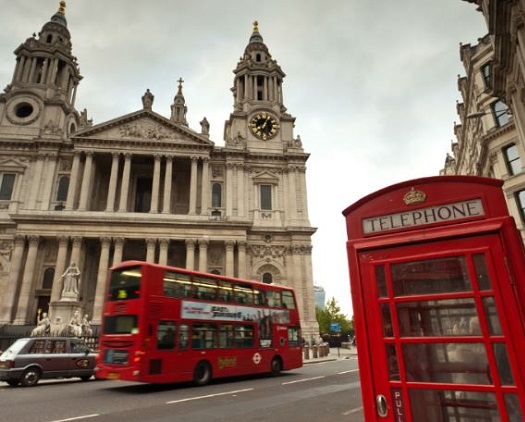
x,y
216,195
49,275
63,186
267,278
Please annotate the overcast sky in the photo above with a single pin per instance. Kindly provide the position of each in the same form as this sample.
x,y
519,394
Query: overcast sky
x,y
372,83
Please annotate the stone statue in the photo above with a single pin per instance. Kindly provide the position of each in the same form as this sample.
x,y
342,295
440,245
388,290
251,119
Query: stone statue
x,y
147,100
75,325
43,327
86,326
205,126
71,279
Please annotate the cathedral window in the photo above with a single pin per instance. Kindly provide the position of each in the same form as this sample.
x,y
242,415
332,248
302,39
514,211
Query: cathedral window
x,y
266,197
260,87
216,195
49,275
63,186
7,184
267,278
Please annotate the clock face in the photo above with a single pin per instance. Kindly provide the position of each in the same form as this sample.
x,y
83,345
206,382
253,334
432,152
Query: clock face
x,y
264,126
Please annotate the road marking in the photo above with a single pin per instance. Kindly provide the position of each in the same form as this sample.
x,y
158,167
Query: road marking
x,y
349,412
347,372
303,380
76,418
209,395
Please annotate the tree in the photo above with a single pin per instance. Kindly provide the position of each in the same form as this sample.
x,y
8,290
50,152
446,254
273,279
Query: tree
x,y
332,314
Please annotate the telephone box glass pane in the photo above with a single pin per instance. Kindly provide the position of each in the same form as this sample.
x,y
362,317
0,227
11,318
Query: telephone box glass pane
x,y
458,363
513,407
482,274
457,406
502,360
387,320
492,316
393,367
432,318
381,281
431,276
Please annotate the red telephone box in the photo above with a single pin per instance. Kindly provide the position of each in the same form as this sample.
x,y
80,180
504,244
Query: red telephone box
x,y
437,274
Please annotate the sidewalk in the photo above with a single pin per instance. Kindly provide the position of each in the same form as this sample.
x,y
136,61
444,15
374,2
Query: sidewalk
x,y
335,353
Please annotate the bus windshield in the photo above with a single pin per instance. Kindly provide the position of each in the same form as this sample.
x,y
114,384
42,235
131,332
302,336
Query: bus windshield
x,y
125,284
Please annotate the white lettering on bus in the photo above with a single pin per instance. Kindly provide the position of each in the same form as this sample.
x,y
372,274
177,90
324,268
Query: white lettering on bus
x,y
437,214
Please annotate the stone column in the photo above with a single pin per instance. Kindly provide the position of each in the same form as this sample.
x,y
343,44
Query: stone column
x,y
154,208
163,252
112,189
14,275
37,179
150,250
117,253
27,288
230,244
73,180
240,190
85,189
205,195
102,275
123,203
193,186
304,196
60,267
241,246
292,203
203,255
50,167
166,203
190,254
229,189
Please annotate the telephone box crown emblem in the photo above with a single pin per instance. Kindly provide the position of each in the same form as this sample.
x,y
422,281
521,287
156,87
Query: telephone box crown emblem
x,y
414,196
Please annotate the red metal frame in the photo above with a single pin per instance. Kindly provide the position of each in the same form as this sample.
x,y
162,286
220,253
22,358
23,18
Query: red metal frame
x,y
492,232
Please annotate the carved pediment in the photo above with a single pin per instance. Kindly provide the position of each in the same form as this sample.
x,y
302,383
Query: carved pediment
x,y
144,125
266,177
11,163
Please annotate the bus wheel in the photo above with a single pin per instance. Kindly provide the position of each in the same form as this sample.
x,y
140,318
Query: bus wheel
x,y
276,367
202,373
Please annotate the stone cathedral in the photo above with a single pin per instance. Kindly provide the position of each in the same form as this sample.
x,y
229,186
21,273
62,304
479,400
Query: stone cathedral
x,y
144,186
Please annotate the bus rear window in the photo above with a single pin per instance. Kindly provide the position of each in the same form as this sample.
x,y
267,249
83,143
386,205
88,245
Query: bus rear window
x,y
125,284
121,324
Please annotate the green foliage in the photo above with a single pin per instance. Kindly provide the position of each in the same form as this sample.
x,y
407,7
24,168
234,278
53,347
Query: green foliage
x,y
332,313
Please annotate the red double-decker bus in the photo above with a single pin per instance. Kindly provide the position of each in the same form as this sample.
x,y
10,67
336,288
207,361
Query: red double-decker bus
x,y
163,324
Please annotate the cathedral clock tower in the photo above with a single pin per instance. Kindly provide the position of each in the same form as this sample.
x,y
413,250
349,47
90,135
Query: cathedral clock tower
x,y
266,179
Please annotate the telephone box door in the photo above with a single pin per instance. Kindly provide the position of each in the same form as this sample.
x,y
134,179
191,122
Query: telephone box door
x,y
439,317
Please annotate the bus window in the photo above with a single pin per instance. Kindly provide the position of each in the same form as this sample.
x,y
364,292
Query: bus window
x,y
166,335
125,284
174,284
243,293
121,324
226,336
259,298
244,336
274,299
203,336
288,300
183,337
206,288
294,336
225,291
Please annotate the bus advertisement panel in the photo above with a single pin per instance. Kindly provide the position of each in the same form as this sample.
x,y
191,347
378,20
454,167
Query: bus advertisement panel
x,y
163,324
